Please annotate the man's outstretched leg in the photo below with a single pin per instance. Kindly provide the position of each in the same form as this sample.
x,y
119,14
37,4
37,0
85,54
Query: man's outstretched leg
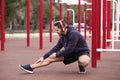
x,y
30,67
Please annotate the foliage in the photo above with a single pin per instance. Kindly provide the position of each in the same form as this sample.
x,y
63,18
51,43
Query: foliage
x,y
15,11
12,9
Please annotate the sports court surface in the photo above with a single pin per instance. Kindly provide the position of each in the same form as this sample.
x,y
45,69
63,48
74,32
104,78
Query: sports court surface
x,y
16,53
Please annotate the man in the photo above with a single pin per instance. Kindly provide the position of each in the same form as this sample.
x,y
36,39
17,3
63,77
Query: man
x,y
75,49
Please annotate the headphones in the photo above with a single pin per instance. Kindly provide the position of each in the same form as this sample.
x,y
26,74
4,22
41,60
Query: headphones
x,y
62,26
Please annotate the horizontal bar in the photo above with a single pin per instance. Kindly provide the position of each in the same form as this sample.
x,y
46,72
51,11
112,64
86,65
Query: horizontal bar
x,y
117,35
116,21
109,0
108,40
89,3
89,9
114,50
115,32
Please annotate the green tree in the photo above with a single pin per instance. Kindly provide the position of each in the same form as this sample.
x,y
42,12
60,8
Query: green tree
x,y
13,9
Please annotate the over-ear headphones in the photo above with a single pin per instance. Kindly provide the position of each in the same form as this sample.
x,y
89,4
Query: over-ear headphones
x,y
61,23
62,26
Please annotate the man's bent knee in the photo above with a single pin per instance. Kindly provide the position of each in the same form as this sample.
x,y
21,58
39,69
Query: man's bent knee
x,y
84,60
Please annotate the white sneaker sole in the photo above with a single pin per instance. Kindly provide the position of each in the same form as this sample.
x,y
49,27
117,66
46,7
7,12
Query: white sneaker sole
x,y
25,69
82,72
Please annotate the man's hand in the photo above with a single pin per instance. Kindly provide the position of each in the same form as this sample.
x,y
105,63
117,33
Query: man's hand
x,y
40,60
53,55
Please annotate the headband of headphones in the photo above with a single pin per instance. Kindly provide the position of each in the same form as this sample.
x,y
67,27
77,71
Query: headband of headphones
x,y
61,23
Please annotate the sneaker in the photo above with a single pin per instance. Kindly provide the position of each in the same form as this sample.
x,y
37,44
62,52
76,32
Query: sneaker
x,y
26,68
82,69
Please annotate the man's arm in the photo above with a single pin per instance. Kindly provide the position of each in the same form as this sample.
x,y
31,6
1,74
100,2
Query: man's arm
x,y
56,48
73,40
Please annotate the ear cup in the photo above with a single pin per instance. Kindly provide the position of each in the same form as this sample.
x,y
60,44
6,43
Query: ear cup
x,y
63,29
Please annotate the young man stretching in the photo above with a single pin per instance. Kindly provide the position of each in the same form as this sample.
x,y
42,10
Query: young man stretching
x,y
75,49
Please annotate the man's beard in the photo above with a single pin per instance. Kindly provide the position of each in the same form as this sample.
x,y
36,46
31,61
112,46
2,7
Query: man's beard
x,y
61,34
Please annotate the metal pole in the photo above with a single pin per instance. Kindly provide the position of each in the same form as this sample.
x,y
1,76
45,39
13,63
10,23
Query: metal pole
x,y
108,21
94,60
60,10
28,23
2,25
119,26
85,20
104,24
41,24
68,15
90,14
98,25
79,15
117,18
101,22
73,14
50,20
113,25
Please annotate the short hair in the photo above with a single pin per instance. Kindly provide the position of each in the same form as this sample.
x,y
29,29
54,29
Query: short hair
x,y
59,24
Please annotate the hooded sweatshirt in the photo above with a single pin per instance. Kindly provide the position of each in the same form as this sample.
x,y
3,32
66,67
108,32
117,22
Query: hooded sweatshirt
x,y
73,42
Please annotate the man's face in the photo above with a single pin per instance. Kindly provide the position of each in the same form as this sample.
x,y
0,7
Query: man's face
x,y
58,31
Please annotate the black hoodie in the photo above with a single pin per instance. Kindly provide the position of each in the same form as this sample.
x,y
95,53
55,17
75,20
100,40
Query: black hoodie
x,y
73,42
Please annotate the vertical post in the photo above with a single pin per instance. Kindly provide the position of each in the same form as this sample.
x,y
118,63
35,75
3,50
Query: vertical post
x,y
85,20
50,21
68,15
119,26
41,24
28,23
104,24
2,25
119,20
113,24
79,15
90,29
0,20
73,16
60,10
98,31
90,14
94,61
108,21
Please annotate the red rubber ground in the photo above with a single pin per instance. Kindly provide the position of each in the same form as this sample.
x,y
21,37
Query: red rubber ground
x,y
16,53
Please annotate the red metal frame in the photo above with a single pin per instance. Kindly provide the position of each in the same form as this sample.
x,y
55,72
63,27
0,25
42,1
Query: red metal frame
x,y
119,26
0,20
85,20
90,14
50,21
104,24
98,25
60,10
90,30
2,25
68,15
41,24
94,44
79,15
108,21
96,34
28,22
